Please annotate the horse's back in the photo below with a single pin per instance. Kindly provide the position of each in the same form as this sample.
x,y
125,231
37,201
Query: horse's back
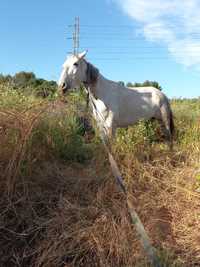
x,y
150,92
146,89
139,103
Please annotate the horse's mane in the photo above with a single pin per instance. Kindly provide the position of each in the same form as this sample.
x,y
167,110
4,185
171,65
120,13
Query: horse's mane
x,y
92,73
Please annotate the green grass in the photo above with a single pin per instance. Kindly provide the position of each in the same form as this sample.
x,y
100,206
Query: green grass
x,y
59,201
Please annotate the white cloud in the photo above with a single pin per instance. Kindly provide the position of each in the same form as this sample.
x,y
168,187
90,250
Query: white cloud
x,y
174,23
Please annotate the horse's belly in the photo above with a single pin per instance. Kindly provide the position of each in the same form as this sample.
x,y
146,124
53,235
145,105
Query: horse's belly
x,y
130,116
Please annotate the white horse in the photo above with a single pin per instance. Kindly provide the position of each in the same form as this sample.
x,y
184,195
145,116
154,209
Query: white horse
x,y
115,105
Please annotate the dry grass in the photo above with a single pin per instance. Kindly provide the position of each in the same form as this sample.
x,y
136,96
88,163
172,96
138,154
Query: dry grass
x,y
166,199
57,212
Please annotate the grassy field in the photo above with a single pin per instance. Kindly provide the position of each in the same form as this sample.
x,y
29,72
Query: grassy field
x,y
60,205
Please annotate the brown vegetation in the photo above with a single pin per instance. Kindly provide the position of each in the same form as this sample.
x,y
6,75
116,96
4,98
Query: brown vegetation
x,y
68,211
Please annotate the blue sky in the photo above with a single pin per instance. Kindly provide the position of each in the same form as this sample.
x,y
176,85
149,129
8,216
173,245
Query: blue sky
x,y
128,40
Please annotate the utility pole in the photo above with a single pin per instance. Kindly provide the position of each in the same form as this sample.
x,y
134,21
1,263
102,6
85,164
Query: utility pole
x,y
75,36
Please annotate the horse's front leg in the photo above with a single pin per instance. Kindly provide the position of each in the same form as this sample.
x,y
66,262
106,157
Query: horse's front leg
x,y
110,126
106,126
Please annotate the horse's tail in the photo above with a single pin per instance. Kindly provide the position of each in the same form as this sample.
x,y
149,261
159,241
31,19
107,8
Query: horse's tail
x,y
171,117
168,120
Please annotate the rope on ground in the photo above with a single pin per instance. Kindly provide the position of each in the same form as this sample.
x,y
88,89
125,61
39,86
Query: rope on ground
x,y
149,250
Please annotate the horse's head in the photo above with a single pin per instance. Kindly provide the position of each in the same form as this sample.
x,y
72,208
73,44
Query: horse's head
x,y
76,71
73,72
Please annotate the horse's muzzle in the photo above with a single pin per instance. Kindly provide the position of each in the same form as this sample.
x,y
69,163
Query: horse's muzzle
x,y
63,88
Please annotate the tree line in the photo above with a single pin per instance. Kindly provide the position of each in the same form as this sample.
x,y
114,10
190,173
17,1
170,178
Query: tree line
x,y
30,84
145,83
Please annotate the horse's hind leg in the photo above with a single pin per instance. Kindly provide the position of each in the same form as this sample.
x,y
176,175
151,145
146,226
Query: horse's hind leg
x,y
166,123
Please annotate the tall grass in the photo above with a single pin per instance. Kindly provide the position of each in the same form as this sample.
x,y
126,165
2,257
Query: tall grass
x,y
59,203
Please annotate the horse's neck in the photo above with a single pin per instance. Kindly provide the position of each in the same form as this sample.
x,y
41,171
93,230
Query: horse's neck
x,y
101,89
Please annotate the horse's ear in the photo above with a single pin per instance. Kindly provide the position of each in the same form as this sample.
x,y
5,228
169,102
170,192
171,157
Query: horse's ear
x,y
92,74
82,55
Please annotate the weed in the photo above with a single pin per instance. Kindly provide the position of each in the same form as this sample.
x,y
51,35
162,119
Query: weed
x,y
64,212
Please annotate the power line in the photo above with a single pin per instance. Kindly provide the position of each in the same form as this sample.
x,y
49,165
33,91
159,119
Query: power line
x,y
128,58
105,26
118,47
126,38
131,59
136,51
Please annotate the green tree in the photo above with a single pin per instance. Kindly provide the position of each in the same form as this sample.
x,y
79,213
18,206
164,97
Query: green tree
x,y
148,83
121,83
22,79
129,84
156,85
5,78
30,84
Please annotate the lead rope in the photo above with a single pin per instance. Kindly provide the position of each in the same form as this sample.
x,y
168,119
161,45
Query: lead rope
x,y
149,250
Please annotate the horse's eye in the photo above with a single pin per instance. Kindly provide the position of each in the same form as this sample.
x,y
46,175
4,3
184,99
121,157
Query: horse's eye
x,y
76,64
